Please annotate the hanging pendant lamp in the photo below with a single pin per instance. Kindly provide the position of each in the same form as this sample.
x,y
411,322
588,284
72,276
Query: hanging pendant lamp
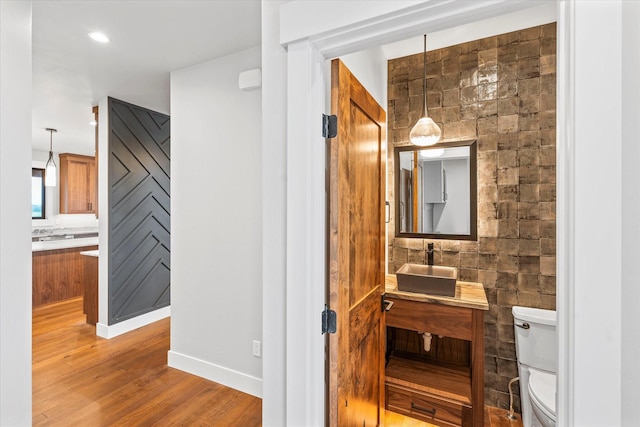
x,y
50,174
425,131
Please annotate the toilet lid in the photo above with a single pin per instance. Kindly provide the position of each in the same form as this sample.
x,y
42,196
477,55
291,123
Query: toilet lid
x,y
542,387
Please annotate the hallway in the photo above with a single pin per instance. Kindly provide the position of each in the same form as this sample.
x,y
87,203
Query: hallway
x,y
81,379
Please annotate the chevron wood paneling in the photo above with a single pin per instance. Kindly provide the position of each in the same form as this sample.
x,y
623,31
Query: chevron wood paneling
x,y
139,210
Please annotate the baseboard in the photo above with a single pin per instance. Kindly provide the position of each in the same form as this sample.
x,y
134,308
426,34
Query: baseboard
x,y
110,331
225,376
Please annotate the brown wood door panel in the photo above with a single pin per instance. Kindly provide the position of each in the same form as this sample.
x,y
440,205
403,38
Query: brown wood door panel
x,y
364,169
356,254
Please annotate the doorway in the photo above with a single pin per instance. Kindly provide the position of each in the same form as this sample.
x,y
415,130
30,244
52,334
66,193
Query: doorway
x,y
305,57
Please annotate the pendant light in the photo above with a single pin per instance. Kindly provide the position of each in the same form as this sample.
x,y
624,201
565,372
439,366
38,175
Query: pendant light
x,y
50,178
425,131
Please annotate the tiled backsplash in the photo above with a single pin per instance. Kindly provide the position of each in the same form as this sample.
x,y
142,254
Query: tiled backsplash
x,y
501,91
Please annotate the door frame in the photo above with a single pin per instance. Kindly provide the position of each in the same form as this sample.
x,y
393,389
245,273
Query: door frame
x,y
309,39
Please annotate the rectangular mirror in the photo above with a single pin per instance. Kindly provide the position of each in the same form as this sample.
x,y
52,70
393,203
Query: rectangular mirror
x,y
436,191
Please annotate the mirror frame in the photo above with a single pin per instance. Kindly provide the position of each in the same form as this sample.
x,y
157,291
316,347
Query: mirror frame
x,y
473,189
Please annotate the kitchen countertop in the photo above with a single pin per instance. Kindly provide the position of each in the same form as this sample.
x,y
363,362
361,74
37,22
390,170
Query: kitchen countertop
x,y
468,294
63,237
51,245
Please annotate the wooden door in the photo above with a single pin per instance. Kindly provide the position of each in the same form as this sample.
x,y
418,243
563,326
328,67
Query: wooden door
x,y
356,254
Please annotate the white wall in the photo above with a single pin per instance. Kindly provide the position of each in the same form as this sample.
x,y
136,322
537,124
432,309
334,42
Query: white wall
x,y
216,232
596,289
630,213
15,207
370,68
274,218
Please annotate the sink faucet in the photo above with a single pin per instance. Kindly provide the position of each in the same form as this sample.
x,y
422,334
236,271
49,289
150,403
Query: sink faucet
x,y
430,254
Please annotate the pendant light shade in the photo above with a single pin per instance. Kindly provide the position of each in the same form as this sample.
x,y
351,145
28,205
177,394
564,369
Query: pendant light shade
x,y
50,173
425,131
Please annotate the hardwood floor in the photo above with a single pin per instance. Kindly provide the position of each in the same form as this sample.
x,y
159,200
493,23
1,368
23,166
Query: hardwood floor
x,y
493,417
83,380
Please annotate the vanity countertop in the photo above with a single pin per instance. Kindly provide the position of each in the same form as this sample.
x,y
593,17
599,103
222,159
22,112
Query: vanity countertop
x,y
468,294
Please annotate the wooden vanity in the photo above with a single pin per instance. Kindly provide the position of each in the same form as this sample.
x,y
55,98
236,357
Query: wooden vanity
x,y
441,394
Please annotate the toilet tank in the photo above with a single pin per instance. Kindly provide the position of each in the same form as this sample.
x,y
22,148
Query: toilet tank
x,y
536,346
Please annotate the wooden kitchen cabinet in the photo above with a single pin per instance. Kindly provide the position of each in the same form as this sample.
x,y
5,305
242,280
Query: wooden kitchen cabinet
x,y
78,181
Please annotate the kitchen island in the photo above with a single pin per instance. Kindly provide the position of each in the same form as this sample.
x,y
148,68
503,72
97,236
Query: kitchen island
x,y
57,266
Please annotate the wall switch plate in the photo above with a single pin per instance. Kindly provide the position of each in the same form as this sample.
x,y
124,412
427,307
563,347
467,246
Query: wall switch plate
x,y
256,348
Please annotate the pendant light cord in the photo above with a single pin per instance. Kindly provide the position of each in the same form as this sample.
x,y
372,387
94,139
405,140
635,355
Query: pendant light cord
x,y
51,131
424,78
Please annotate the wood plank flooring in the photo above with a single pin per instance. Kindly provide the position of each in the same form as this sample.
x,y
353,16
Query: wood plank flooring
x,y
82,380
493,417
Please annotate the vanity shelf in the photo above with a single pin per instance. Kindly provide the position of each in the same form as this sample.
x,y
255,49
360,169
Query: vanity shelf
x,y
433,393
439,393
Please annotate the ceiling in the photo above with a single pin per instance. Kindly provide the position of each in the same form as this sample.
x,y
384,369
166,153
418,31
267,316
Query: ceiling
x,y
71,72
151,38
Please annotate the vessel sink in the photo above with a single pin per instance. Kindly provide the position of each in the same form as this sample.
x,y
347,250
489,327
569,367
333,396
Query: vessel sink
x,y
427,279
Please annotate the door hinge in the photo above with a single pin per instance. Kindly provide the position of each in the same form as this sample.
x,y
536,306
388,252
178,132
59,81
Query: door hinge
x,y
329,126
329,320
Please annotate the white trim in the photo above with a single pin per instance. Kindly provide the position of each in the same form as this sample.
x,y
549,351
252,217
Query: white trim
x,y
349,26
274,218
103,211
15,203
596,285
630,214
565,210
212,372
110,331
305,235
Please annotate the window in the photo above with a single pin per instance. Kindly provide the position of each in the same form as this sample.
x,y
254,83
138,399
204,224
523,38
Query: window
x,y
37,194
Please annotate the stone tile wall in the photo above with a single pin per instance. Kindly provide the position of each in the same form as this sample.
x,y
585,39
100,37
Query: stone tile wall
x,y
501,91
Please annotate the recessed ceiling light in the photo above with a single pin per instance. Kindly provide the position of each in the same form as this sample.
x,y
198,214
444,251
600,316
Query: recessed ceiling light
x,y
99,37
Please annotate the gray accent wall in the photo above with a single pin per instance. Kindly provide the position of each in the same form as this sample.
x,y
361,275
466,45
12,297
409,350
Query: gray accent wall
x,y
139,210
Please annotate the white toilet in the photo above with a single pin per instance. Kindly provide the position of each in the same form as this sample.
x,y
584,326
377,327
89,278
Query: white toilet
x,y
536,351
